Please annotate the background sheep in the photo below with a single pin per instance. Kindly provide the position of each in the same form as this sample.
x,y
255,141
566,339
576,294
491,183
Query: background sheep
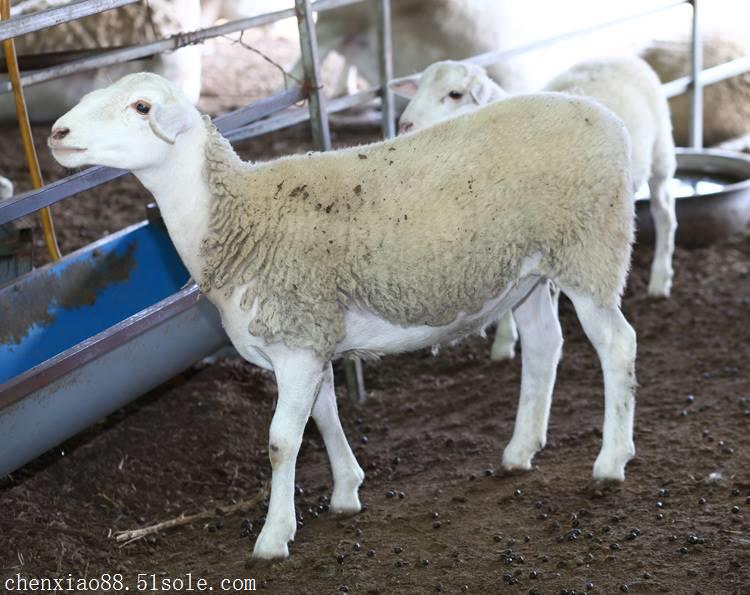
x,y
627,86
136,23
388,247
726,105
457,29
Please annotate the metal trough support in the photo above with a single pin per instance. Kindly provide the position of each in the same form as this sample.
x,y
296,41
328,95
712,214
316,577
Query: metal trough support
x,y
33,422
99,328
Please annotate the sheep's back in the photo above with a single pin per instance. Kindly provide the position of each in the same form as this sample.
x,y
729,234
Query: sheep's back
x,y
632,91
428,225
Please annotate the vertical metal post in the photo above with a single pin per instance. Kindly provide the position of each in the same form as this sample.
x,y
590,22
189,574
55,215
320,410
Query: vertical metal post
x,y
696,88
321,133
308,42
385,66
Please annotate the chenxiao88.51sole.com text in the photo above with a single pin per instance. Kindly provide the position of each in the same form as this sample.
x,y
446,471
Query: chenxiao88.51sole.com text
x,y
118,583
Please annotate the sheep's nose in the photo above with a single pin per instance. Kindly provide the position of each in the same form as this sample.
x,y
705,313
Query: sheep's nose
x,y
405,126
60,133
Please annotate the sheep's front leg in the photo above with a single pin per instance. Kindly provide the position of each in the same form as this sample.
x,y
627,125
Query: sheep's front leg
x,y
504,345
347,474
615,343
662,206
299,378
541,345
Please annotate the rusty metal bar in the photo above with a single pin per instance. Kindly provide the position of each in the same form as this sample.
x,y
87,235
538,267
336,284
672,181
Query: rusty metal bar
x,y
32,161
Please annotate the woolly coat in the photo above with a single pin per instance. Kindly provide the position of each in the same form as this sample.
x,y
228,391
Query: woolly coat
x,y
420,228
726,105
631,89
135,23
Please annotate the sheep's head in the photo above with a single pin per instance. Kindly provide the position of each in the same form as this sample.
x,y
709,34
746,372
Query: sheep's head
x,y
445,90
132,124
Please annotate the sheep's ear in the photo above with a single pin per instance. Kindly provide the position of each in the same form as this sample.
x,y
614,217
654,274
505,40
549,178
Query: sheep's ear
x,y
407,89
482,94
169,120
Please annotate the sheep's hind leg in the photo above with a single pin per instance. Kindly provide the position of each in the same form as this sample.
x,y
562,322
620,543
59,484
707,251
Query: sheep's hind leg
x,y
615,343
299,376
347,474
541,345
662,206
504,345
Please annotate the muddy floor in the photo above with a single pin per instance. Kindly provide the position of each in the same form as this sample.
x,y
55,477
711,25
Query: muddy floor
x,y
440,515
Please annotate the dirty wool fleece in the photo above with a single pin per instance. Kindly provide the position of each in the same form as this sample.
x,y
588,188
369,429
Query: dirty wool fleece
x,y
420,228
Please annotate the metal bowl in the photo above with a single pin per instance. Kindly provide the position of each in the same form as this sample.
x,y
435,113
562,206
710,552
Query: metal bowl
x,y
712,190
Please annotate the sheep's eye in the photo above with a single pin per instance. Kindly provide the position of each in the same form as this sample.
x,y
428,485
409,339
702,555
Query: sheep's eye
x,y
142,107
455,95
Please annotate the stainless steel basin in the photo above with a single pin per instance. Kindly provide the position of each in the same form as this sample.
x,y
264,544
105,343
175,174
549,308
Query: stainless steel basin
x,y
713,197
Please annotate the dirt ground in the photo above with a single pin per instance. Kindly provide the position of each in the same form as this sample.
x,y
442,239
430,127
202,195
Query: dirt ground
x,y
431,437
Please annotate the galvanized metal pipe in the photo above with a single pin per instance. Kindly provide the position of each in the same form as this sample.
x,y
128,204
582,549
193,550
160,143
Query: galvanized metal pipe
x,y
709,76
385,67
297,116
696,87
311,66
171,43
28,202
42,19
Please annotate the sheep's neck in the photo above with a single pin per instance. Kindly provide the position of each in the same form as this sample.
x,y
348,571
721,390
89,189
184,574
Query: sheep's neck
x,y
180,190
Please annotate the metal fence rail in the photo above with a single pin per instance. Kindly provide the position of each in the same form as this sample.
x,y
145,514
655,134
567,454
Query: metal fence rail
x,y
110,57
29,202
27,23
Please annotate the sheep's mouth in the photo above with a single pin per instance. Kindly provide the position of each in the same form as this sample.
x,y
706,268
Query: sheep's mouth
x,y
66,150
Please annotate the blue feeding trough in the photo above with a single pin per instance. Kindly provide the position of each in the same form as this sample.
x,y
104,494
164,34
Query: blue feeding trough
x,y
83,336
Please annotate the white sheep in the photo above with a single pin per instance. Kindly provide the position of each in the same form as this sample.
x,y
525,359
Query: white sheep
x,y
458,29
386,248
627,86
128,25
726,105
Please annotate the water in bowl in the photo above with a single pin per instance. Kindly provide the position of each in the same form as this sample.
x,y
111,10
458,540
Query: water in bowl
x,y
694,183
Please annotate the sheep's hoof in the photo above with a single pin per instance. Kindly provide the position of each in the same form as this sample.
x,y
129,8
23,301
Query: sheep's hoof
x,y
345,497
502,351
345,505
264,552
272,544
517,459
659,287
610,467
